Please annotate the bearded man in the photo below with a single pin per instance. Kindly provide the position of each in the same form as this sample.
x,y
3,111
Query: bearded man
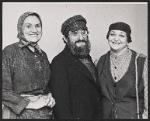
x,y
74,77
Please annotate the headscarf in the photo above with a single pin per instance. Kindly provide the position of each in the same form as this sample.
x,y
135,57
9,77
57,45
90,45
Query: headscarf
x,y
20,33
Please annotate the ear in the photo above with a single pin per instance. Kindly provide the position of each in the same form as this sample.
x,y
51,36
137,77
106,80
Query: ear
x,y
65,39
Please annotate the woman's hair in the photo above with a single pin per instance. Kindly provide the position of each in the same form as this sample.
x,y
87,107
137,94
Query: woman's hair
x,y
121,26
21,20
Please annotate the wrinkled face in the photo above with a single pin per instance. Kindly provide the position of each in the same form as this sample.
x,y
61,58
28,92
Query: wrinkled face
x,y
117,40
78,42
31,28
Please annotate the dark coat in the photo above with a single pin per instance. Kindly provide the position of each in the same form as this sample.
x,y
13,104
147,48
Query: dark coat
x,y
76,94
119,99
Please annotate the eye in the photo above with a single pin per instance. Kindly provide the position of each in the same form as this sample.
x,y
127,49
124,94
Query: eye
x,y
112,34
122,35
28,26
74,32
84,32
38,25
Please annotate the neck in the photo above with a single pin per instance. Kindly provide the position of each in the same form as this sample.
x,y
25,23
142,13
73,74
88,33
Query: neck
x,y
30,45
119,52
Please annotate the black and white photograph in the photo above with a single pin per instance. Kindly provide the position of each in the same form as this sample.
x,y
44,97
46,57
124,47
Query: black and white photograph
x,y
75,60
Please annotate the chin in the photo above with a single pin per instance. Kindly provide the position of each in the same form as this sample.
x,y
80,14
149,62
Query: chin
x,y
115,49
34,40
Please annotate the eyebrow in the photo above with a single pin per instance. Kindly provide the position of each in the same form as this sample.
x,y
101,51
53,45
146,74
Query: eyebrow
x,y
120,32
31,23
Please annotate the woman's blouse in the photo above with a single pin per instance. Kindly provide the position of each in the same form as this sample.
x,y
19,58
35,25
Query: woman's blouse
x,y
23,72
119,64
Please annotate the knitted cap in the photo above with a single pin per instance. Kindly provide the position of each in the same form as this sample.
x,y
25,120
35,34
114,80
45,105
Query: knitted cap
x,y
73,24
121,26
21,20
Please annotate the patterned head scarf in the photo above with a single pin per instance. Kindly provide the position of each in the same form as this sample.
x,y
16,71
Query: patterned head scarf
x,y
21,20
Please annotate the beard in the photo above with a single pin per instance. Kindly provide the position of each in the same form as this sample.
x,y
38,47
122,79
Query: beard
x,y
81,51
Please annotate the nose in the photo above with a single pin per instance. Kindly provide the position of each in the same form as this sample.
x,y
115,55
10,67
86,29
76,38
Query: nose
x,y
34,29
80,36
116,38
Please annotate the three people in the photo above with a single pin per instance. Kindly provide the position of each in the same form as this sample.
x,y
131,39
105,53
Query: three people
x,y
74,78
122,75
26,73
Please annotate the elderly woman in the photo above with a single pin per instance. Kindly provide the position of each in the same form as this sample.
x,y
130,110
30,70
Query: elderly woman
x,y
122,75
26,73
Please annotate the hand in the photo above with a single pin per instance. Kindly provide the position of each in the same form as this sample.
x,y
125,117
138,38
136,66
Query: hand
x,y
145,114
39,103
32,98
50,101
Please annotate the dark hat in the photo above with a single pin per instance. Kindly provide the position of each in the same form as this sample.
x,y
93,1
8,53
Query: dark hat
x,y
73,24
21,20
121,26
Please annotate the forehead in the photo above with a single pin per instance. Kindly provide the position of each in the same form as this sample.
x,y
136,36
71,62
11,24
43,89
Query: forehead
x,y
118,31
31,20
78,30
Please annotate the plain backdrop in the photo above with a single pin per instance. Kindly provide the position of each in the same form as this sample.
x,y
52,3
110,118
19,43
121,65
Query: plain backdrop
x,y
99,16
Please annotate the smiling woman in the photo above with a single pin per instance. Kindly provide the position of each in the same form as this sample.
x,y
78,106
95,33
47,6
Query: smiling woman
x,y
26,73
122,75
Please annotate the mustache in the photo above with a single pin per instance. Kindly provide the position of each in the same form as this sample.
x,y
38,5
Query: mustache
x,y
80,41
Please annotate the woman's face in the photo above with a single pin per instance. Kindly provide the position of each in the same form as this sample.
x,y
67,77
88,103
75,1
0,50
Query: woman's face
x,y
31,28
117,40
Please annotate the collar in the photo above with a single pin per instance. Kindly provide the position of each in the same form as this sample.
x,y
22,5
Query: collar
x,y
126,53
30,45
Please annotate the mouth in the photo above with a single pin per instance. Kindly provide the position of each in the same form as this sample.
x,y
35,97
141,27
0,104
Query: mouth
x,y
81,43
34,35
115,43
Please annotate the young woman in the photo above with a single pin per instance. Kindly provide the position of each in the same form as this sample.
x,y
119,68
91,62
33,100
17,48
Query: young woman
x,y
26,73
122,75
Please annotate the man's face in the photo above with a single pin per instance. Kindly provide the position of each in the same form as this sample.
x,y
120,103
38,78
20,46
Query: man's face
x,y
78,42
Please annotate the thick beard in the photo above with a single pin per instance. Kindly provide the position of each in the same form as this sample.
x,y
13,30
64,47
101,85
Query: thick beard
x,y
80,51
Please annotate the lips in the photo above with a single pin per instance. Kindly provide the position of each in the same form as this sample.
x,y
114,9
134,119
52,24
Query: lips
x,y
115,43
33,34
80,42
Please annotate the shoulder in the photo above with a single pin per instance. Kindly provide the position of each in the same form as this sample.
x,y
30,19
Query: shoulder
x,y
103,57
11,46
10,49
59,58
44,53
101,62
141,55
141,59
